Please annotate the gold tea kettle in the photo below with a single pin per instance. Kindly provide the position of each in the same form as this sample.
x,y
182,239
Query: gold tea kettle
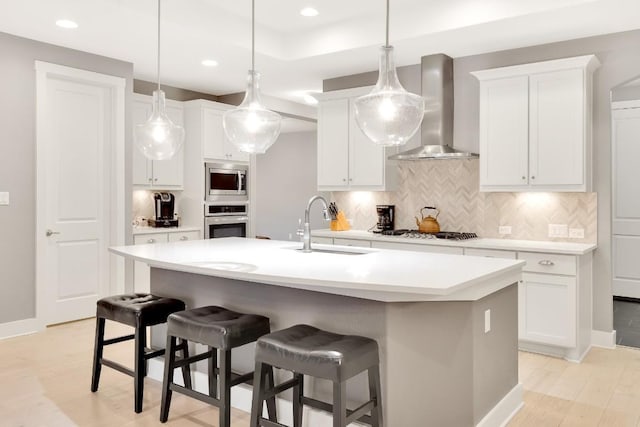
x,y
430,223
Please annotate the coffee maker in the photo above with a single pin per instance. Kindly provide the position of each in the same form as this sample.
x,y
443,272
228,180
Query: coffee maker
x,y
386,218
165,204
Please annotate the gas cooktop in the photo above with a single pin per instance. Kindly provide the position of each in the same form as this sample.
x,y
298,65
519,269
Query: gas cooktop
x,y
415,234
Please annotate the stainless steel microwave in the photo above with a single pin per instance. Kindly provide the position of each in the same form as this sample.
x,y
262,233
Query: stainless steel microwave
x,y
225,182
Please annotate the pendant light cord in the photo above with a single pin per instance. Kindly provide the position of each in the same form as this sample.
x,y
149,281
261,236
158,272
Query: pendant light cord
x,y
253,35
159,44
387,35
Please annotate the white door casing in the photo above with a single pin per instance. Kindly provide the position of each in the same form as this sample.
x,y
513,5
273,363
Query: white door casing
x,y
80,190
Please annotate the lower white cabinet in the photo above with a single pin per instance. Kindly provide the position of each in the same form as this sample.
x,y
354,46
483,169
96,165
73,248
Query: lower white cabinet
x,y
141,271
352,242
450,250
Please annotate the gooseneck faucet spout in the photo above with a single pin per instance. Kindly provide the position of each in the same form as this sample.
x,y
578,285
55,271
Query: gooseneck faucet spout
x,y
306,234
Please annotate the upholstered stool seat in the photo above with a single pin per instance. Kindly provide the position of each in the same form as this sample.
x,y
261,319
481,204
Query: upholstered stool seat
x,y
221,330
138,311
306,350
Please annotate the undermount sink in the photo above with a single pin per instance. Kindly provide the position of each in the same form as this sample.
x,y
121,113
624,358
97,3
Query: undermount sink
x,y
337,251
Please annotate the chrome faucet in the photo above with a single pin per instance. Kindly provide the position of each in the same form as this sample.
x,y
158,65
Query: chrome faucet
x,y
306,233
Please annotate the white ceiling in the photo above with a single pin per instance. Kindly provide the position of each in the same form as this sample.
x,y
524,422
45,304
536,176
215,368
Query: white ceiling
x,y
295,53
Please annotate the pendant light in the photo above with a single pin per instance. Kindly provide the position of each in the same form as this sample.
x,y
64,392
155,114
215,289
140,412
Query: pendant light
x,y
159,138
251,127
389,115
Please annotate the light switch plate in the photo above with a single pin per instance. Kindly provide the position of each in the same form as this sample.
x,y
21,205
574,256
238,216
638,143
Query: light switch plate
x,y
504,229
4,198
558,230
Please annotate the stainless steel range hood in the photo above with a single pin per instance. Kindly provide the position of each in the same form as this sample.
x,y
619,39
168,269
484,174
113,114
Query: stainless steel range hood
x,y
437,126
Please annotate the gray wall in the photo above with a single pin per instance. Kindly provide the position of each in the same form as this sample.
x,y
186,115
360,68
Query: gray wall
x,y
17,161
286,179
618,54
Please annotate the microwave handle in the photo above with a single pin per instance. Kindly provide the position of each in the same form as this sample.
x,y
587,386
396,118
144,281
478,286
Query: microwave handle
x,y
241,178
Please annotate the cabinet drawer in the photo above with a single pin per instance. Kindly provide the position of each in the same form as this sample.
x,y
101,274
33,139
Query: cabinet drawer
x,y
549,263
142,239
418,247
322,240
352,242
490,253
184,235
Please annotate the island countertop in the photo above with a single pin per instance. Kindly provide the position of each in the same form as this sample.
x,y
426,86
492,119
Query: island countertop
x,y
374,274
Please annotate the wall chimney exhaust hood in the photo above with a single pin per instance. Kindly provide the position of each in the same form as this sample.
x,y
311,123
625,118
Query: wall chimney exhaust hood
x,y
437,127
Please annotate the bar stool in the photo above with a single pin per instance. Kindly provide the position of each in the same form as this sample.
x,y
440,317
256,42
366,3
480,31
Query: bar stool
x,y
220,330
137,310
306,350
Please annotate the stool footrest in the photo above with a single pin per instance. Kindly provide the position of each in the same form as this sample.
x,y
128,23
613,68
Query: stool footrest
x,y
189,360
240,379
118,339
153,353
117,367
195,394
266,423
280,388
352,415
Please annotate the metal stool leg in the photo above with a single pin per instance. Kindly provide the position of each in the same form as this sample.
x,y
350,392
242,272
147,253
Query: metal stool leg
x,y
340,404
298,392
213,378
97,354
139,366
225,388
375,393
169,360
258,393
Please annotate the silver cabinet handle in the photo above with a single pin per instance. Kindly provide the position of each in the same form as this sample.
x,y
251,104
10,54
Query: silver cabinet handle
x,y
151,241
184,238
50,233
546,262
344,179
533,177
524,177
350,179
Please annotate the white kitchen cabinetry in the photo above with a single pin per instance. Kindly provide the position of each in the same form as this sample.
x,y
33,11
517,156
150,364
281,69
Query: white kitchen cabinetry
x,y
205,124
352,242
535,126
157,174
434,249
141,271
347,159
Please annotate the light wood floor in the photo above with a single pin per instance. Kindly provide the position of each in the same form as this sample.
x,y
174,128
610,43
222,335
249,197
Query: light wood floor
x,y
45,378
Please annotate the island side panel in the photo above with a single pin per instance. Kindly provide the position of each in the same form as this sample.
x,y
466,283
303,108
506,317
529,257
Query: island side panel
x,y
495,353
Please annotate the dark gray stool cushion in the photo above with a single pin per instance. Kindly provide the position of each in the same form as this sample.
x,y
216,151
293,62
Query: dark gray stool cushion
x,y
217,327
311,351
138,309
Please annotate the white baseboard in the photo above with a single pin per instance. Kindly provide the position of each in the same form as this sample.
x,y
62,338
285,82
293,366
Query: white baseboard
x,y
506,409
19,327
603,339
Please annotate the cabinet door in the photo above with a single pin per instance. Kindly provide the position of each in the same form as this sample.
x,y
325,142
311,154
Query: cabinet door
x,y
366,159
182,236
547,309
434,249
141,168
333,143
504,132
141,271
557,126
231,152
169,173
213,134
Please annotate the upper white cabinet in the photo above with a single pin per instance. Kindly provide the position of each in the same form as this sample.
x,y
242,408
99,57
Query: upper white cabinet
x,y
205,124
535,126
347,159
157,174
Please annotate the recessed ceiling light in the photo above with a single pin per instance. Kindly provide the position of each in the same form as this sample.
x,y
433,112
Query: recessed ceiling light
x,y
309,11
209,62
66,23
310,99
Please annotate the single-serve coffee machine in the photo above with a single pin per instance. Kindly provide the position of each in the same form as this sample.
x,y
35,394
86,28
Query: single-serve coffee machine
x,y
164,204
386,218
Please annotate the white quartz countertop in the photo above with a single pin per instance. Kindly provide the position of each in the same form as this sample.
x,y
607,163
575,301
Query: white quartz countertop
x,y
480,243
157,230
377,274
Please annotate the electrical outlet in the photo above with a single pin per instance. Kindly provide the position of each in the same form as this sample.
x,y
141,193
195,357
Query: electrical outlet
x,y
4,198
487,321
558,230
504,229
576,233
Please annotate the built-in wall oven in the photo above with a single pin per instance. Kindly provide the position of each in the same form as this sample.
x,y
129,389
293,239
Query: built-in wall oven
x,y
225,182
225,220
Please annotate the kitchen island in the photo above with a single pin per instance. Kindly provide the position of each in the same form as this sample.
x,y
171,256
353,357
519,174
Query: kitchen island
x,y
446,324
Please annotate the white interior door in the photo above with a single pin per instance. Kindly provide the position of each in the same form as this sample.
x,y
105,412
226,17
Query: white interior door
x,y
76,139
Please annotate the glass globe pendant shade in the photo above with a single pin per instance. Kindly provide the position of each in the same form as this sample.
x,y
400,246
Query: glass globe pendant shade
x,y
159,138
389,115
251,127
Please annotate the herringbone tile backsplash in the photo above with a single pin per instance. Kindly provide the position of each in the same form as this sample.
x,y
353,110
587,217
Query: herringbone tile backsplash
x,y
453,187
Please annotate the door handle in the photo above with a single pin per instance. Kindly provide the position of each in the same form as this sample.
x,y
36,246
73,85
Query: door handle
x,y
50,233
